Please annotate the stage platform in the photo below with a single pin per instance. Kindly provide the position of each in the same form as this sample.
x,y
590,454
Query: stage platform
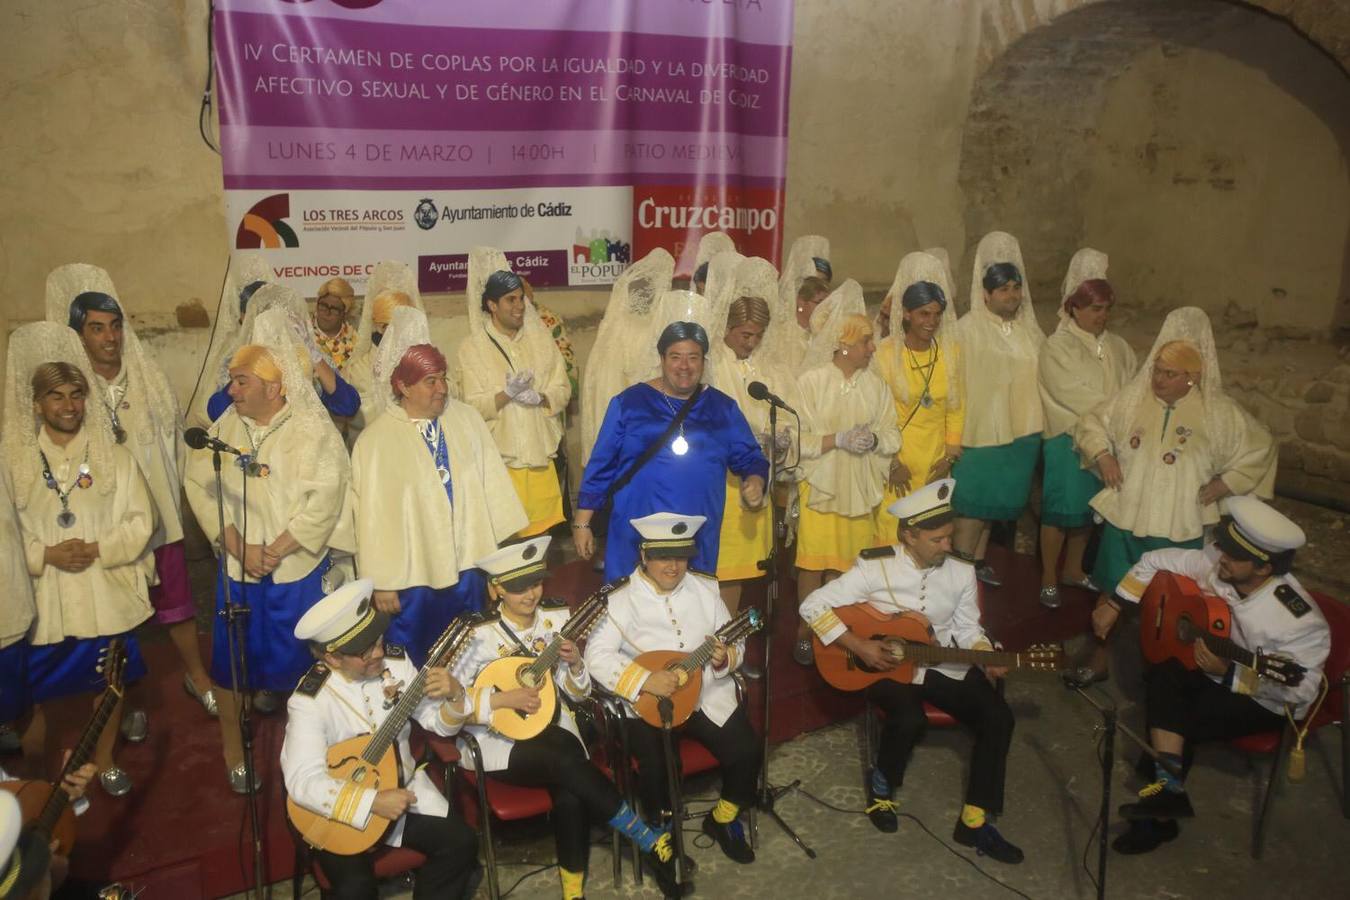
x,y
181,834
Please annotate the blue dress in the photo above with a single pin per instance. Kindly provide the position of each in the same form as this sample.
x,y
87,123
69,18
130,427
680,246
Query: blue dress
x,y
344,401
694,484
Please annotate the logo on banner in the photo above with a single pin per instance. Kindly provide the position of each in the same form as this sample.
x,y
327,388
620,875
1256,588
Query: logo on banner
x,y
426,215
598,257
264,225
676,217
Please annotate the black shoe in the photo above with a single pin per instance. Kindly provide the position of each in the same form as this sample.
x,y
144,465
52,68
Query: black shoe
x,y
1145,836
1156,802
987,842
986,574
730,837
881,811
661,863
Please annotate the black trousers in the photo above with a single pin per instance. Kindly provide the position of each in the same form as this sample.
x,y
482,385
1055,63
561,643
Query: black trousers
x,y
1188,703
973,702
451,849
733,744
580,792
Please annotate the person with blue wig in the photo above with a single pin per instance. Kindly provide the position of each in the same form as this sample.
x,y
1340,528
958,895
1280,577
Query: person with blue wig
x,y
1001,439
666,445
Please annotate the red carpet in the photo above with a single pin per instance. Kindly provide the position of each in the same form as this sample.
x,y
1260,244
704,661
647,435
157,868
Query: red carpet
x,y
181,834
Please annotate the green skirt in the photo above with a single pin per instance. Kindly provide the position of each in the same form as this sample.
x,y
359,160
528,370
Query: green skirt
x,y
993,483
1066,487
1118,551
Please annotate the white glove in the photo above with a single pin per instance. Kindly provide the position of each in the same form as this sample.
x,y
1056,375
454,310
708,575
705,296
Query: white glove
x,y
529,397
518,383
858,439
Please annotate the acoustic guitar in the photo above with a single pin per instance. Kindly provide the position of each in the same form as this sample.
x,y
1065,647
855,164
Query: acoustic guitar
x,y
688,669
46,807
1174,613
909,637
370,761
511,672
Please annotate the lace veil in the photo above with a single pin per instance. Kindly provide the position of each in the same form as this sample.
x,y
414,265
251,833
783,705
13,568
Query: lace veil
x,y
29,347
800,266
389,274
147,387
618,347
407,329
1086,265
711,245
924,265
827,320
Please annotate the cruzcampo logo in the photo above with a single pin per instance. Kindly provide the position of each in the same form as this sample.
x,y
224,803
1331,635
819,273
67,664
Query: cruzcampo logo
x,y
265,225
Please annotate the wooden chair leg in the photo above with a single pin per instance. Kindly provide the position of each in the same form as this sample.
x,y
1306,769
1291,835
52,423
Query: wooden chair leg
x,y
1261,814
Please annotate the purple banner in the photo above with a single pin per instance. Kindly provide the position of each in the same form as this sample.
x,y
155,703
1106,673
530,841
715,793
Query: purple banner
x,y
421,96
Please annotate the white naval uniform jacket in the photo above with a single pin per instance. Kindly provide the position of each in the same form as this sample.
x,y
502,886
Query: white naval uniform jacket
x,y
1279,617
641,619
888,578
491,642
328,708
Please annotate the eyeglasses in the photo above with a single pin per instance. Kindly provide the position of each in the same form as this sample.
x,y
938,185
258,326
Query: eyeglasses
x,y
331,308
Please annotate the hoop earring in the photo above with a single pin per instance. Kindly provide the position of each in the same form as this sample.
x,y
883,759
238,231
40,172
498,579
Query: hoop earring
x,y
843,352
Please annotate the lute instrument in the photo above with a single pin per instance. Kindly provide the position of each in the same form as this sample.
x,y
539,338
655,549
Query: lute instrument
x,y
46,807
909,637
511,672
1174,613
370,761
688,669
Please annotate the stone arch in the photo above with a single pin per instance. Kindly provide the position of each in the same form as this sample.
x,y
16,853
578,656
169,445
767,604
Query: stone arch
x,y
1034,141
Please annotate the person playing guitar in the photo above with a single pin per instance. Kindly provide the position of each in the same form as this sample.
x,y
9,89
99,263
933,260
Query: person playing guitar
x,y
1248,568
555,758
353,687
916,575
665,605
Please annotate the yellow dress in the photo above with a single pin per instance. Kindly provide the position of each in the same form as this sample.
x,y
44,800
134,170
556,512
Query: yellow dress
x,y
926,432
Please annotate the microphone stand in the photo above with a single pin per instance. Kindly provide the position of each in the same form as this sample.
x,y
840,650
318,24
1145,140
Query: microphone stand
x,y
768,795
235,615
1110,725
666,708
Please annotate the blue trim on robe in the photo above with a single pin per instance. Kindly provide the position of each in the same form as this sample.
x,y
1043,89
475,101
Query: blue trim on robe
x,y
427,612
276,657
71,667
344,401
694,484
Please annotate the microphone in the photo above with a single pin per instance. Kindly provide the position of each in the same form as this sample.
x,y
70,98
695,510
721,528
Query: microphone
x,y
198,439
758,391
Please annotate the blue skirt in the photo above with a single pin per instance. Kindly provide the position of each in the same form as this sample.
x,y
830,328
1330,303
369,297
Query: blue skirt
x,y
276,658
427,612
71,666
14,701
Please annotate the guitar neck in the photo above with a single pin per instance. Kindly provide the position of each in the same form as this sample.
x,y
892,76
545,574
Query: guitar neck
x,y
739,627
931,655
442,653
81,754
573,629
1229,649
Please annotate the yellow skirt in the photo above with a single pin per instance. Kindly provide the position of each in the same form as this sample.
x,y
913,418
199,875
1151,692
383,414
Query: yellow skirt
x,y
540,495
747,536
830,540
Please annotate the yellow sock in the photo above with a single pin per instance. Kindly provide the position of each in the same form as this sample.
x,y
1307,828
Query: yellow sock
x,y
573,884
725,812
972,816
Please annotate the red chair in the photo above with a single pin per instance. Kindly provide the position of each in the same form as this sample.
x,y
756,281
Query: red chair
x,y
505,803
1335,710
390,862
